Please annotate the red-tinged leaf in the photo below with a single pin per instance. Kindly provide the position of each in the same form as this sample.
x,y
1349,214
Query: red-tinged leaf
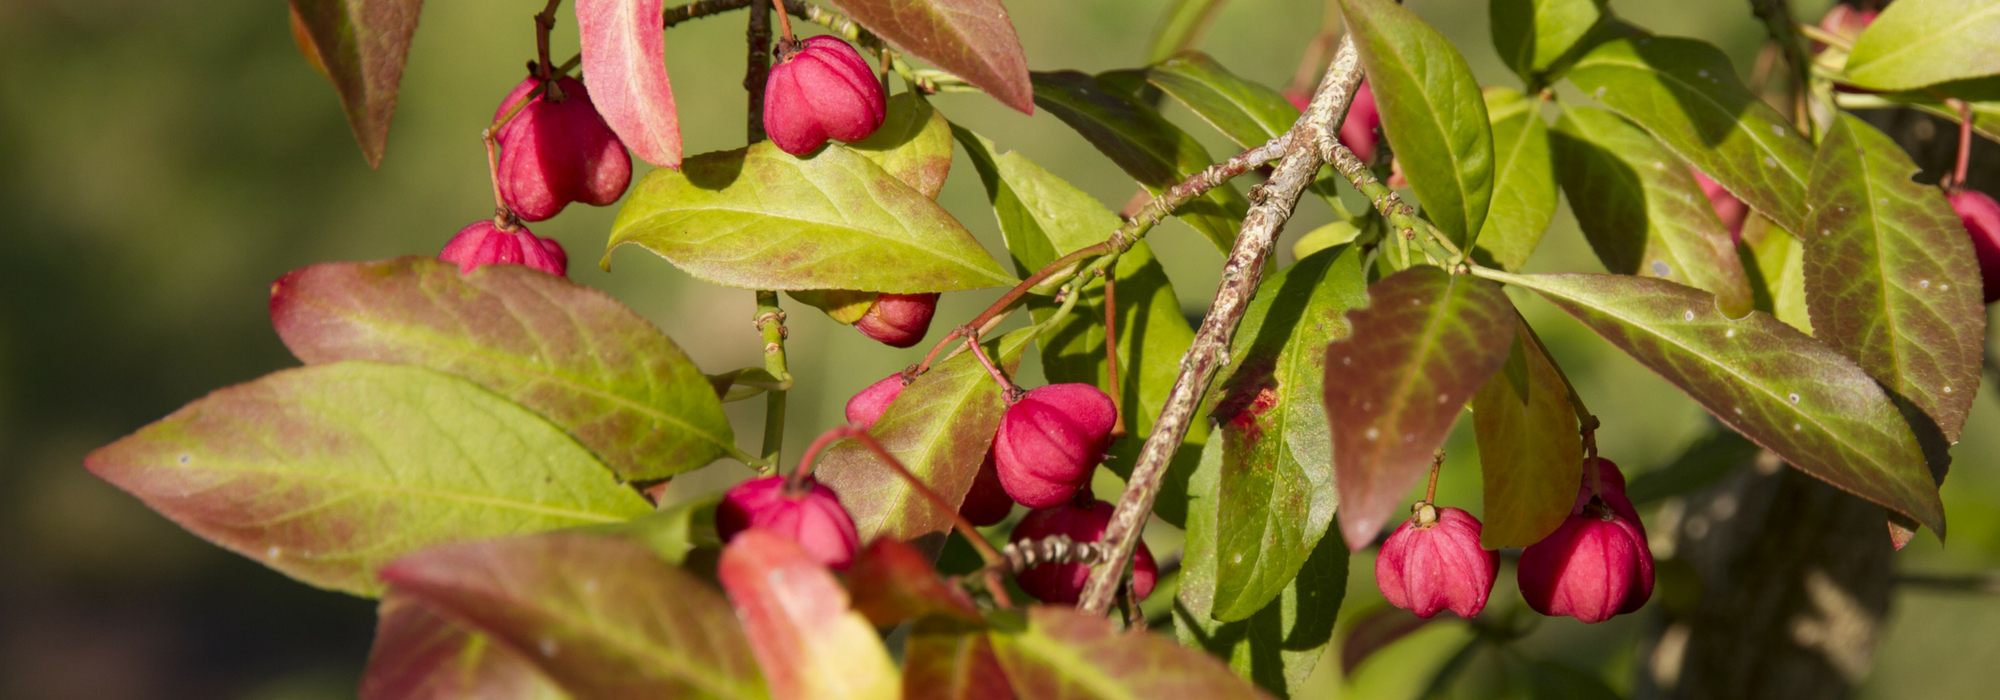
x,y
946,660
972,39
1795,396
893,583
1642,211
1890,275
1686,93
624,62
600,615
939,427
329,472
1424,344
360,46
1148,147
1062,653
807,640
572,353
1530,454
914,144
1374,631
419,655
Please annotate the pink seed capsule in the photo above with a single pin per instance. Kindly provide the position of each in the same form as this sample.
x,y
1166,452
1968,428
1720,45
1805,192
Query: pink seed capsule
x,y
821,89
1982,221
898,320
1050,440
867,406
1593,567
483,243
1728,208
556,152
1434,562
1062,584
811,517
987,502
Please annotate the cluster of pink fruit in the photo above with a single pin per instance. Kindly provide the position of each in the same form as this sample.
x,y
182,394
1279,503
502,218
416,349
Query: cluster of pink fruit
x,y
1595,565
1050,441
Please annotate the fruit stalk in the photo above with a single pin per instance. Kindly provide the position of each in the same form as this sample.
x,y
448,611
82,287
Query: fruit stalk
x,y
1306,141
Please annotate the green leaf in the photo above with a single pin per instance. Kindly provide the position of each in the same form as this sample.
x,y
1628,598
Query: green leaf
x,y
1641,208
1890,276
1182,27
1043,218
914,144
801,629
972,39
1324,237
1796,397
571,353
600,615
1424,344
1524,180
1431,112
1686,93
419,655
1293,631
1776,271
1530,454
1248,113
1062,653
1923,42
624,53
763,219
948,660
1534,36
1143,143
361,46
328,472
939,428
1276,497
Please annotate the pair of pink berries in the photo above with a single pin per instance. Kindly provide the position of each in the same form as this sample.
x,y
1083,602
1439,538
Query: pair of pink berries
x,y
1596,565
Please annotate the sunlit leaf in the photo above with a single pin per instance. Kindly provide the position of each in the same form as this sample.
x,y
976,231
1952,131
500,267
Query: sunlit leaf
x,y
1149,148
1686,93
1276,494
1278,646
796,616
1182,27
361,45
1891,279
1416,354
939,427
1795,396
1922,42
571,353
973,39
763,219
913,144
1641,208
1431,112
419,655
1533,36
329,472
1530,454
893,583
600,615
1062,653
624,63
1524,180
1043,218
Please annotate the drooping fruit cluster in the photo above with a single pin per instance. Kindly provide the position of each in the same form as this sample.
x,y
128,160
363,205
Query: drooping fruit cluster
x,y
1982,221
484,243
820,89
1433,562
808,513
556,150
1597,564
1081,521
1050,440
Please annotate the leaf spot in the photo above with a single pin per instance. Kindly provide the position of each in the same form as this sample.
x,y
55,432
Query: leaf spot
x,y
1947,390
590,586
1796,426
1703,72
185,459
1600,91
1657,165
1662,269
1688,315
1731,333
1348,360
1409,438
1944,287
1794,396
1778,129
1374,433
1825,232
1921,284
548,647
1238,559
1739,410
1882,200
1770,162
273,553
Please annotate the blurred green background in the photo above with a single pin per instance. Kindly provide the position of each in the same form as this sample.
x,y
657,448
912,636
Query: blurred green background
x,y
162,162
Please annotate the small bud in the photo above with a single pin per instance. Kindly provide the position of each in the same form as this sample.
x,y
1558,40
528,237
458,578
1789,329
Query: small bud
x,y
1062,584
821,89
1435,563
1728,208
1982,221
899,320
813,517
1050,440
485,244
867,406
1593,567
987,501
554,153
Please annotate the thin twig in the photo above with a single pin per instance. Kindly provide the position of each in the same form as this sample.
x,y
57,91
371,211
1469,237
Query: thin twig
x,y
697,10
1274,201
770,322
